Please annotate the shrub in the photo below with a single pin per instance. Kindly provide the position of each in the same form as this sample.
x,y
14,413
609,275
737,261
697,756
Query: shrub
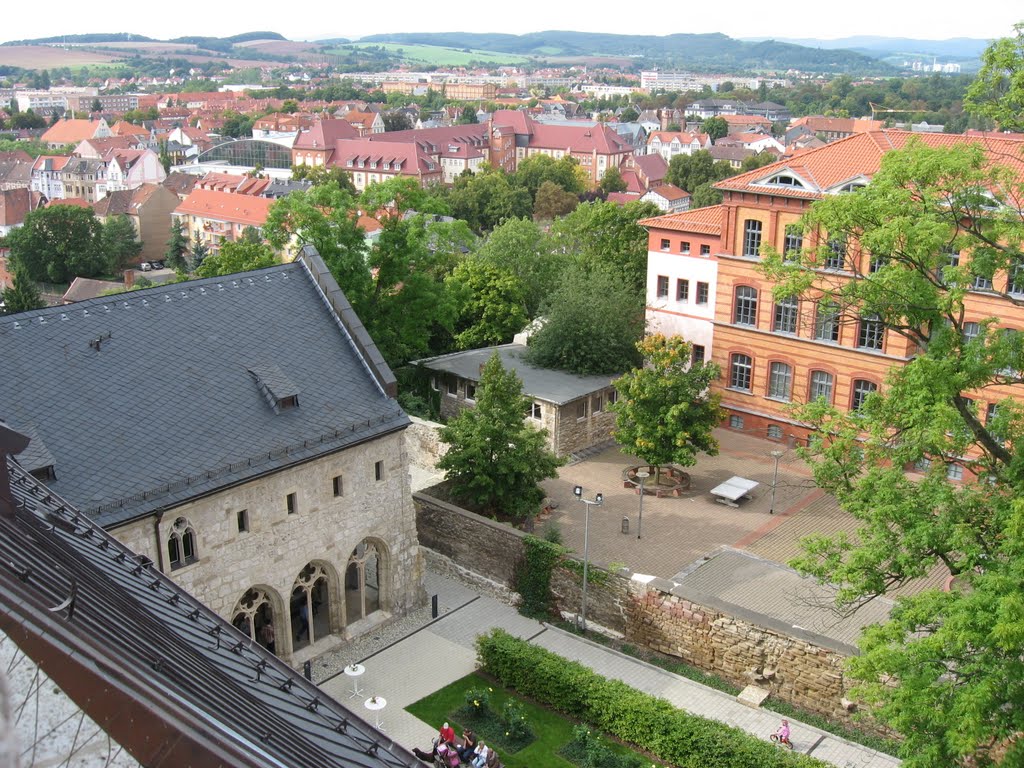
x,y
653,724
586,750
533,576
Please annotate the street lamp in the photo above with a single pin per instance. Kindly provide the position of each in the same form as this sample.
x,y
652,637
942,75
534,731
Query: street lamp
x,y
640,521
597,501
777,454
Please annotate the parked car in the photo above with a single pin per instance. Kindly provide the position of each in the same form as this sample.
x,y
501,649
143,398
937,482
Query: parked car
x,y
145,266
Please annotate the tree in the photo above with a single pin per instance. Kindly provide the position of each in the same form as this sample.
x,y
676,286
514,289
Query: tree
x,y
396,121
666,412
96,106
177,247
566,172
467,116
119,243
715,128
165,157
552,201
198,251
495,459
705,195
487,198
998,91
690,171
241,256
57,244
490,301
629,115
520,247
322,174
612,181
22,295
592,323
946,670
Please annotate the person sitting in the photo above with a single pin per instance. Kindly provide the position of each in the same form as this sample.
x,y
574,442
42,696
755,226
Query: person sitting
x,y
465,749
492,759
447,734
480,755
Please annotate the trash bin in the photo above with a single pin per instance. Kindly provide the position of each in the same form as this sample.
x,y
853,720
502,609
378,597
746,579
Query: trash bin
x,y
625,525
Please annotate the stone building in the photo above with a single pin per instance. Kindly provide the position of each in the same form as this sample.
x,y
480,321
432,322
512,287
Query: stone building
x,y
573,409
242,433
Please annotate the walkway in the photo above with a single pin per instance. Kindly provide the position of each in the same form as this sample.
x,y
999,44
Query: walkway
x,y
442,652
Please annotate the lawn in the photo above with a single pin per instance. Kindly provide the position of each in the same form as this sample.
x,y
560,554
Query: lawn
x,y
552,730
436,55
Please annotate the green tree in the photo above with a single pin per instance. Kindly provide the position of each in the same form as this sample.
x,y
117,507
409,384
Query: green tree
x,y
198,251
165,157
592,323
715,128
490,301
606,236
666,412
495,459
96,106
998,91
241,256
566,172
177,247
612,181
22,295
552,201
629,114
467,116
57,244
690,171
396,121
321,174
487,198
120,245
520,247
705,195
946,670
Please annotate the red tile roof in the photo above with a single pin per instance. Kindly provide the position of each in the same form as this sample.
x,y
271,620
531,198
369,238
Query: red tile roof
x,y
56,162
573,138
122,128
226,206
70,131
324,134
701,221
15,204
670,192
411,157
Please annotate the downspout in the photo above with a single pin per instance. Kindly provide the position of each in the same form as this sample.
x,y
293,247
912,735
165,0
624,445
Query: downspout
x,y
159,546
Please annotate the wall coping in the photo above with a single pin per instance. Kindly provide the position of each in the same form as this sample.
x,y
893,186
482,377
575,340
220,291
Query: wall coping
x,y
503,527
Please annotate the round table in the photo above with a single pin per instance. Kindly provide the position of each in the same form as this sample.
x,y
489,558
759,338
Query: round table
x,y
375,704
354,671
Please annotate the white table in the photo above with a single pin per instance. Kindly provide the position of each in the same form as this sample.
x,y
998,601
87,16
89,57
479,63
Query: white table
x,y
733,489
375,704
354,671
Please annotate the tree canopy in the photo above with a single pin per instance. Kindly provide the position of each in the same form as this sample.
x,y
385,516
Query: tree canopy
x,y
495,459
119,244
58,243
235,257
947,669
998,91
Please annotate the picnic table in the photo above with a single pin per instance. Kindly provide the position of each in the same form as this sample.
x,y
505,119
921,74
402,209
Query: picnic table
x,y
733,489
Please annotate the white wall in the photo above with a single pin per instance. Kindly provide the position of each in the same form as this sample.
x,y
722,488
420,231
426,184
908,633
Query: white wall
x,y
694,322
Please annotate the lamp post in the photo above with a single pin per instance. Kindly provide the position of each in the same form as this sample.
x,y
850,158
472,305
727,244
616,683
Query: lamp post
x,y
640,520
597,501
777,454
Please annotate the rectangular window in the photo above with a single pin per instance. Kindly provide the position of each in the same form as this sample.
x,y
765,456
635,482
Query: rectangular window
x,y
453,386
665,244
684,247
835,254
433,384
826,322
861,390
682,290
613,396
697,353
378,470
982,283
793,243
751,238
785,315
702,293
338,485
870,333
243,520
780,381
535,411
581,409
876,263
662,287
291,503
1016,287
821,386
740,372
598,404
705,250
954,471
736,422
991,412
745,309
971,332
470,391
774,432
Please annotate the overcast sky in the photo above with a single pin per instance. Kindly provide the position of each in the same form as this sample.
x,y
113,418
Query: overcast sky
x,y
935,20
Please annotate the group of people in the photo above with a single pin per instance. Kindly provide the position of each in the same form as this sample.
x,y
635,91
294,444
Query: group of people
x,y
454,752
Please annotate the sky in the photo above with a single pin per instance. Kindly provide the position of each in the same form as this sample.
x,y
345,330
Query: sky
x,y
936,20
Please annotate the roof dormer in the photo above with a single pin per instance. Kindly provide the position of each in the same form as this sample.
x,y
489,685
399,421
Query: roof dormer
x,y
277,389
785,178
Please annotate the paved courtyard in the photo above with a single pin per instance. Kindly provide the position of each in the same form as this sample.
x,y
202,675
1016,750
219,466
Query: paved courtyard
x,y
678,531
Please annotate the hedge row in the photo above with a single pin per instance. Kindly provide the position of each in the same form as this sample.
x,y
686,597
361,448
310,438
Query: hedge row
x,y
653,724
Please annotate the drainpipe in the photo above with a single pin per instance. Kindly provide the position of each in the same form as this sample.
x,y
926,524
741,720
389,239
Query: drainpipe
x,y
159,546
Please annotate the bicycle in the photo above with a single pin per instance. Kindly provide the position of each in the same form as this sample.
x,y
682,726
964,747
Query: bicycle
x,y
781,740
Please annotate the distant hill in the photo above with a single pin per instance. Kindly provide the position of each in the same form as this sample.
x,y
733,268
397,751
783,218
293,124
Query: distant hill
x,y
96,37
709,52
957,47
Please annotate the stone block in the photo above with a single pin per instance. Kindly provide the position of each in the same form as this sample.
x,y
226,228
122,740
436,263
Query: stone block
x,y
753,696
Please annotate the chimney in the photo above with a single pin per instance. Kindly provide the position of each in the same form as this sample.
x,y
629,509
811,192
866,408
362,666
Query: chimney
x,y
11,443
129,279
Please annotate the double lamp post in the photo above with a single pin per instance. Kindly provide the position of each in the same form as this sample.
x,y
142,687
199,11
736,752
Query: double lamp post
x,y
597,501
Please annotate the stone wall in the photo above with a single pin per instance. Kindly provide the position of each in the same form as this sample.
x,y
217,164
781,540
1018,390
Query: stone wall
x,y
324,529
653,613
577,434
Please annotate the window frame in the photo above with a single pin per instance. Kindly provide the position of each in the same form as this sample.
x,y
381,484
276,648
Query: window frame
x,y
786,309
291,502
813,385
682,290
870,333
752,233
860,390
741,371
823,323
338,486
703,289
661,289
744,308
780,372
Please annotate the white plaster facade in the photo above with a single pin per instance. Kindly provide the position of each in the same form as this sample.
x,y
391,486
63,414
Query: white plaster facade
x,y
689,318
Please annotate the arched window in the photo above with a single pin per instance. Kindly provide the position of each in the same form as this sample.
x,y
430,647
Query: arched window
x,y
362,582
181,545
780,381
861,390
821,386
745,307
741,368
254,616
310,605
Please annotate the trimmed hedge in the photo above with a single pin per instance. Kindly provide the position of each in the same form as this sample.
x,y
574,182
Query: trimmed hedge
x,y
653,724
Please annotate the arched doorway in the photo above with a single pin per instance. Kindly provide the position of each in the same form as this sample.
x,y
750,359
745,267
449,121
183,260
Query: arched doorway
x,y
254,616
310,605
363,580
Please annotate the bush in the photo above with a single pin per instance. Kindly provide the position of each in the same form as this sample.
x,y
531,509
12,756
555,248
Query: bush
x,y
508,730
586,750
533,576
653,724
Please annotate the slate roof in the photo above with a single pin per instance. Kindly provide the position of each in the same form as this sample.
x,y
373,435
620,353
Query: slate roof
x,y
160,672
558,387
777,597
152,386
